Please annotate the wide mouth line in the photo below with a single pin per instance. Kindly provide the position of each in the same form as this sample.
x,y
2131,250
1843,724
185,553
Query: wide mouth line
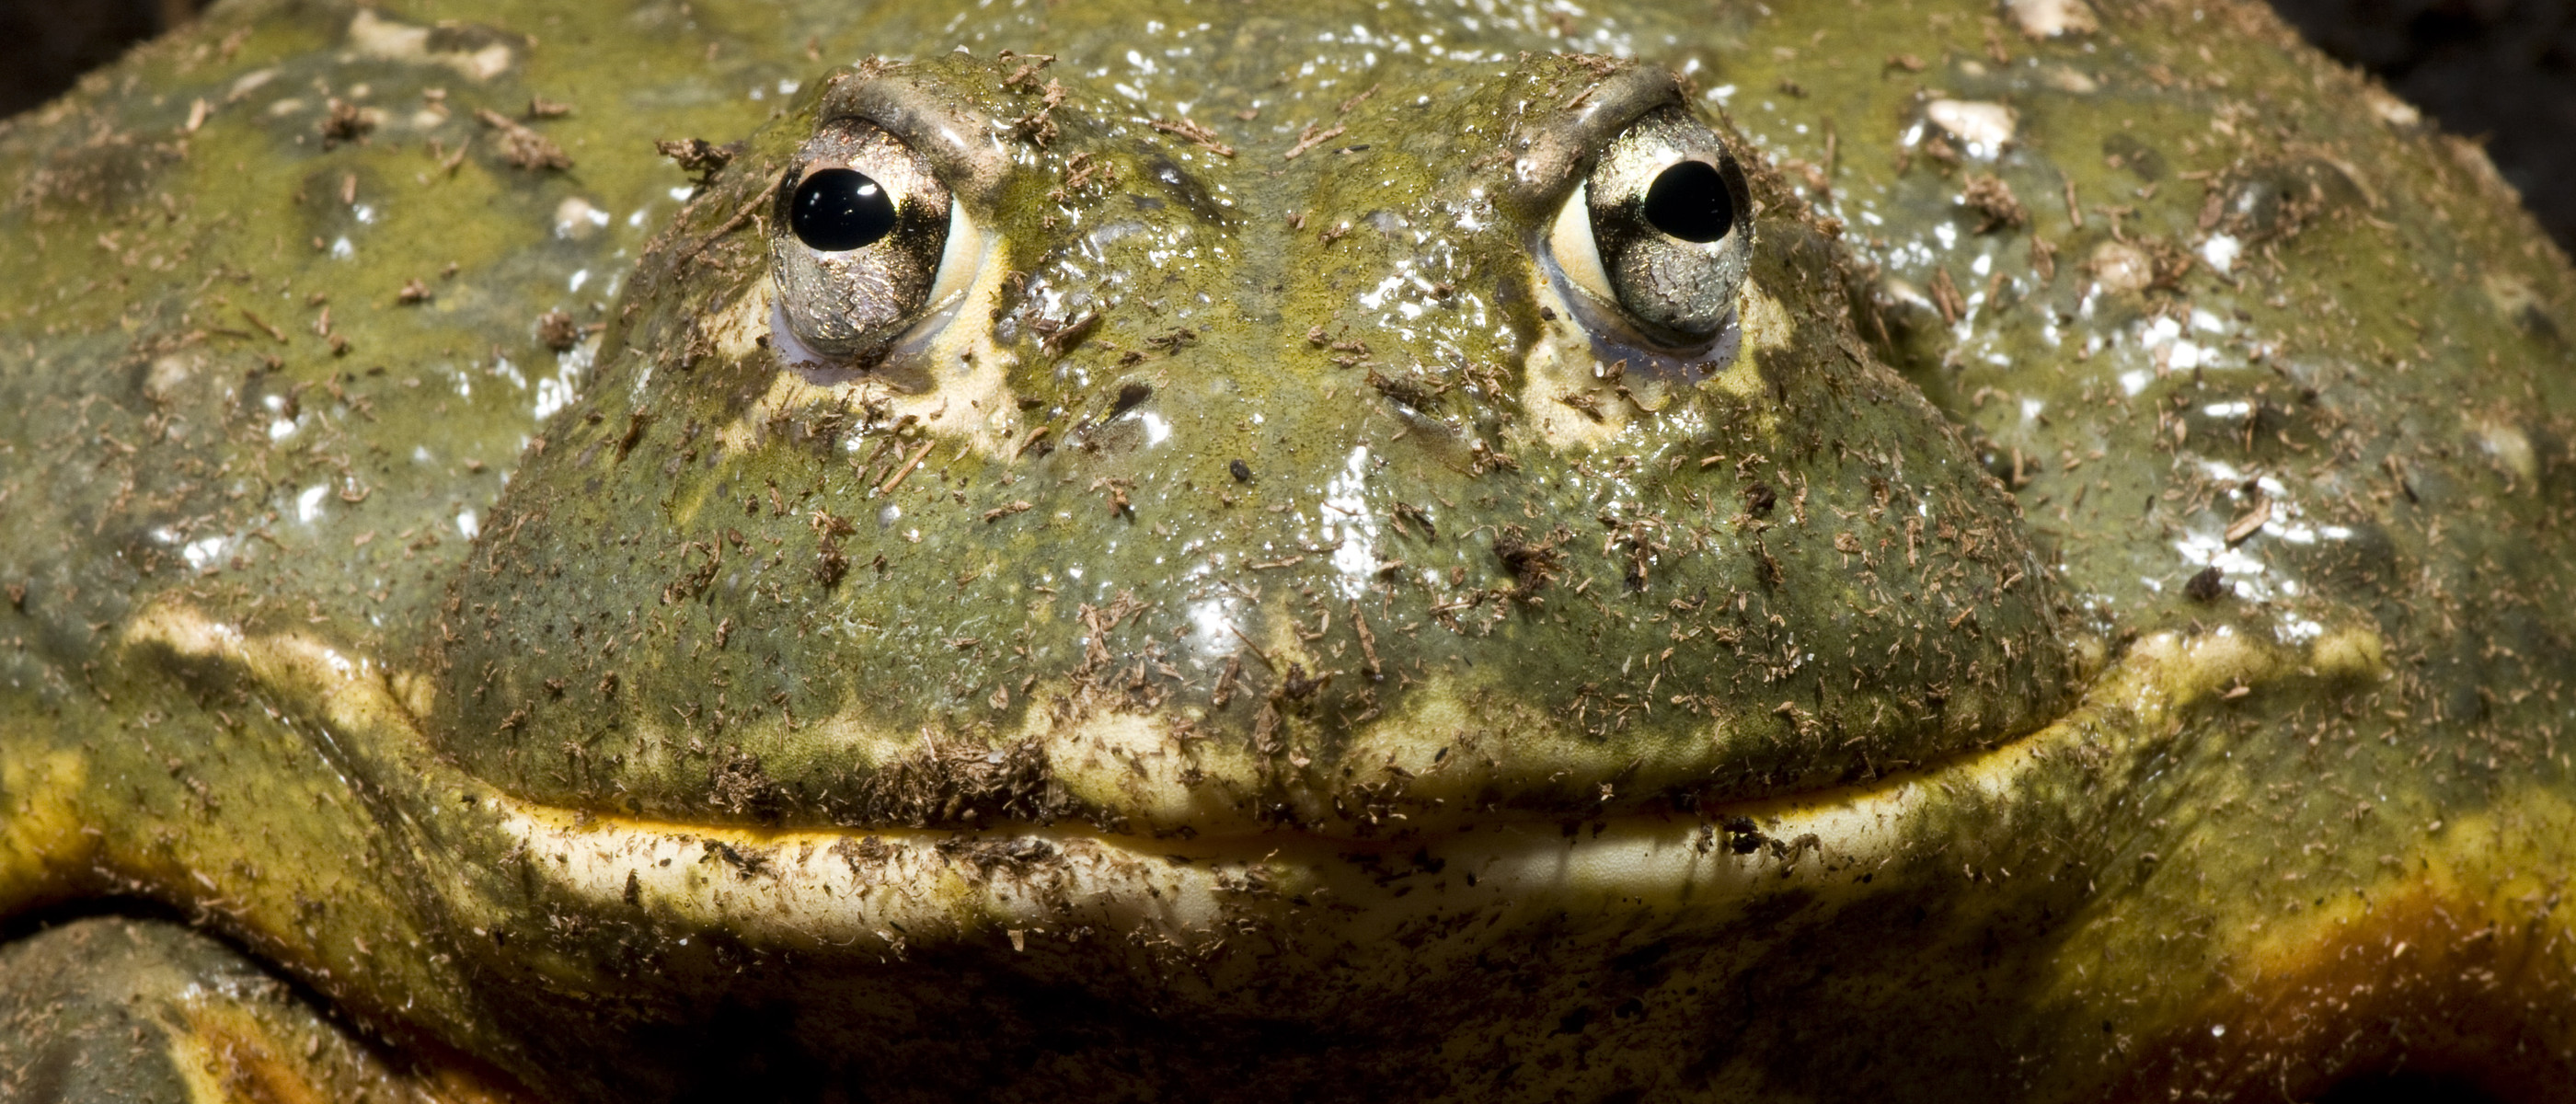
x,y
856,891
1675,806
883,888
1723,816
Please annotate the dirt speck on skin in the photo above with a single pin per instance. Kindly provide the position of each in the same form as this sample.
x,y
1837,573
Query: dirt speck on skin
x,y
830,562
990,856
958,785
345,122
1759,499
1996,207
1533,564
738,785
522,147
558,331
700,158
862,853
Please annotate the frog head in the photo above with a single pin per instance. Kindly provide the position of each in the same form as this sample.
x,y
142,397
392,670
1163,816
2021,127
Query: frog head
x,y
976,454
1315,562
1004,526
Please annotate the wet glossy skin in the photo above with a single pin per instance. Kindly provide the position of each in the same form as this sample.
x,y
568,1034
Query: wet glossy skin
x,y
1827,712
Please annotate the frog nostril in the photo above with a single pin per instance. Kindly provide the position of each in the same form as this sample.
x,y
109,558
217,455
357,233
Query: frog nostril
x,y
836,210
1689,201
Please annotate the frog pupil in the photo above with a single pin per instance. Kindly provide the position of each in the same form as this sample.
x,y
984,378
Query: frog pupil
x,y
1689,201
840,209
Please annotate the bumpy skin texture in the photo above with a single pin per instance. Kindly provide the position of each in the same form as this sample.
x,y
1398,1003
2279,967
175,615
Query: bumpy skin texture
x,y
424,571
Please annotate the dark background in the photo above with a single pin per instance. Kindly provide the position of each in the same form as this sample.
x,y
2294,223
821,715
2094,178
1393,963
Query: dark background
x,y
2503,71
46,44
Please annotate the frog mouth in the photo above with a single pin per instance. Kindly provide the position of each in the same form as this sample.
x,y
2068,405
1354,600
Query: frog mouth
x,y
888,892
883,891
892,891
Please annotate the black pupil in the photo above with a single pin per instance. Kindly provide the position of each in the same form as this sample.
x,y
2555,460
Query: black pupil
x,y
1689,201
840,209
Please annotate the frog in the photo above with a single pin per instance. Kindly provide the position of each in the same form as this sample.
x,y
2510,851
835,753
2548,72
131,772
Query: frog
x,y
686,550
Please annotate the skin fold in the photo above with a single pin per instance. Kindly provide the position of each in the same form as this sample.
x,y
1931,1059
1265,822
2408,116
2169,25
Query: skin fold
x,y
2089,626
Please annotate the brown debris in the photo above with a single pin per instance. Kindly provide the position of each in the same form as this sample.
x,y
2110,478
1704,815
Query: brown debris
x,y
697,156
1309,138
739,786
1031,65
1946,297
1411,389
1038,127
1368,642
830,563
1057,338
1759,499
896,478
522,147
557,331
1533,564
2169,263
1195,132
1996,206
2250,523
345,122
955,784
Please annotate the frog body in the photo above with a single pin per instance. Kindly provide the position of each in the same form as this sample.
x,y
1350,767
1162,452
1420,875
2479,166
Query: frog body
x,y
1279,563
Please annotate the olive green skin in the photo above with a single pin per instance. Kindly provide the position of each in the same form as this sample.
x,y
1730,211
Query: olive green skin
x,y
2135,842
759,687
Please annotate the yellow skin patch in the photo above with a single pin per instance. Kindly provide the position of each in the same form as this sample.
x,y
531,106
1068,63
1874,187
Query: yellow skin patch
x,y
45,828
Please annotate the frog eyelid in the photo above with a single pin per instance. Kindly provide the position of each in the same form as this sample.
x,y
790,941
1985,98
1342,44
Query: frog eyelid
x,y
1557,151
1646,284
869,309
957,142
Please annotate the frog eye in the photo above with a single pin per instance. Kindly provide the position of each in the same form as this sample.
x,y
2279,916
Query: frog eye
x,y
1660,229
838,210
864,236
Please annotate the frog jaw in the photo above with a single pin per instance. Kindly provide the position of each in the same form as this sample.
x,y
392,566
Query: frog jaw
x,y
1357,920
518,901
856,890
